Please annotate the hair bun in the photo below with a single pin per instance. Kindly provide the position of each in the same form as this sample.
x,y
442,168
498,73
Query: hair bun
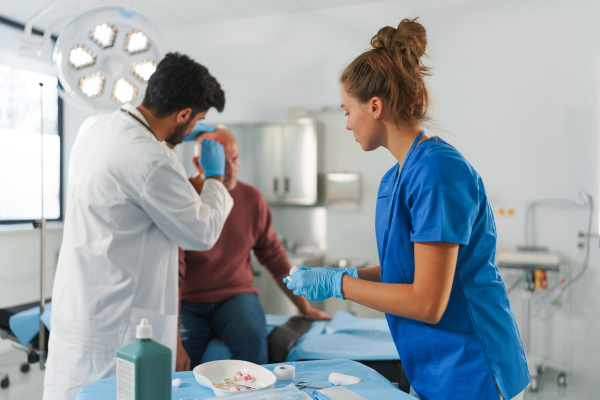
x,y
410,38
393,71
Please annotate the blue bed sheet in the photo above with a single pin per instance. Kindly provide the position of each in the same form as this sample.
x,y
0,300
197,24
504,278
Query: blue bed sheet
x,y
374,387
345,336
26,324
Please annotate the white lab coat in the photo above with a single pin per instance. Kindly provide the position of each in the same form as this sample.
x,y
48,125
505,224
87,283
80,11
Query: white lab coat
x,y
129,206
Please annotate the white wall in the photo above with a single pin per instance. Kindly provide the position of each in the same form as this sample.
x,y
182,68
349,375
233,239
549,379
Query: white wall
x,y
515,88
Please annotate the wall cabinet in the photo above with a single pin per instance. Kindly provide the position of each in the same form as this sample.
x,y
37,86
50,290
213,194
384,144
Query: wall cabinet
x,y
285,160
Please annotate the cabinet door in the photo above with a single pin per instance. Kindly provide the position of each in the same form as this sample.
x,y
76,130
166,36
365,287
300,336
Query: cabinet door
x,y
267,164
299,161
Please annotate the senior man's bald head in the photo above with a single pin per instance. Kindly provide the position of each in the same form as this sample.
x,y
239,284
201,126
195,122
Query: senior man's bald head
x,y
232,154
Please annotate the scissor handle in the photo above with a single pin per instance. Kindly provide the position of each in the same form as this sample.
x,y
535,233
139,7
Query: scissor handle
x,y
227,382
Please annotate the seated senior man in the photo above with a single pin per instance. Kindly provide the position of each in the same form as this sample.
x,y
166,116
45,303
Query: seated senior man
x,y
216,289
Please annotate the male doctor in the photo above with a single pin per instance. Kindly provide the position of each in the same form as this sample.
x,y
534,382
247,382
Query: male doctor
x,y
129,207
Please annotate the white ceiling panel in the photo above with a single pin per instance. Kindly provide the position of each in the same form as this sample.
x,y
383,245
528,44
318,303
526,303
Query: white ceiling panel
x,y
330,3
265,6
203,11
167,14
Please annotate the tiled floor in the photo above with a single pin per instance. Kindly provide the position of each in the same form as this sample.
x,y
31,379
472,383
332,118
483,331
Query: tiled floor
x,y
548,388
23,386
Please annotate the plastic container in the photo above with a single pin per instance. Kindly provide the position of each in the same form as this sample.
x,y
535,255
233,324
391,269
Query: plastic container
x,y
144,368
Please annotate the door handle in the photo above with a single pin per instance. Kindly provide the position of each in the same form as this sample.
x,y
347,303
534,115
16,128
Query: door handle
x,y
286,184
275,185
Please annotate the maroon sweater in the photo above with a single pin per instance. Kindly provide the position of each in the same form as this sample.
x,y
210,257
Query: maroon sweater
x,y
225,270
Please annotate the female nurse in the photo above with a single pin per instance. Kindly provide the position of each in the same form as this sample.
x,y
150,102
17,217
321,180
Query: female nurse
x,y
437,282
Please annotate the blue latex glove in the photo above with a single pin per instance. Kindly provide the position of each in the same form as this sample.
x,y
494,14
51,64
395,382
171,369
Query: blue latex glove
x,y
348,270
212,158
199,129
318,284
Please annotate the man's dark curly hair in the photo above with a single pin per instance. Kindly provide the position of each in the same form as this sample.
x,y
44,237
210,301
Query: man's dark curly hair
x,y
180,82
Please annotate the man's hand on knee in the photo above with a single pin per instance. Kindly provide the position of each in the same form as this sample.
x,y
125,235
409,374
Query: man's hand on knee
x,y
183,362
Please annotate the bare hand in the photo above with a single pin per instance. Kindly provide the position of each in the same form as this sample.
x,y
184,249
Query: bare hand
x,y
315,315
183,362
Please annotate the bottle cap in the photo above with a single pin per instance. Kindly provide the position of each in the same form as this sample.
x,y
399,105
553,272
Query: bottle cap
x,y
144,330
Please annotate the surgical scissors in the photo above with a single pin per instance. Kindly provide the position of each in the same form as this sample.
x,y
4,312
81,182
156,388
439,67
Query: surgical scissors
x,y
303,384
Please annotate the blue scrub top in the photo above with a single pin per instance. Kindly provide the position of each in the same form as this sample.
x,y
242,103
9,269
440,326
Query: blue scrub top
x,y
440,197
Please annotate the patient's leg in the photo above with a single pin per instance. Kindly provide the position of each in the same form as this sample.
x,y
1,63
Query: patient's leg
x,y
240,323
195,329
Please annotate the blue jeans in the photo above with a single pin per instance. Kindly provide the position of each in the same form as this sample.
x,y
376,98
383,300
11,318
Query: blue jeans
x,y
238,321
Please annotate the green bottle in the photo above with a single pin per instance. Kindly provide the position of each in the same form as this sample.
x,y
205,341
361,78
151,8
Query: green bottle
x,y
144,368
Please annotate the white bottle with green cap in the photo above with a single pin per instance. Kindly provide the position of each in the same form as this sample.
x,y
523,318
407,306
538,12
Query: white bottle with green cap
x,y
144,368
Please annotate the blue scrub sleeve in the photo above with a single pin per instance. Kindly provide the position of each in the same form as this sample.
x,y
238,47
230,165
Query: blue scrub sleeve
x,y
443,199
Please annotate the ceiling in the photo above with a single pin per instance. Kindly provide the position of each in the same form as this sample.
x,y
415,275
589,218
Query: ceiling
x,y
165,14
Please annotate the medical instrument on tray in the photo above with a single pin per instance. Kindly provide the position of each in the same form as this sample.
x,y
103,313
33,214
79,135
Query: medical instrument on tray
x,y
231,382
285,372
237,381
304,384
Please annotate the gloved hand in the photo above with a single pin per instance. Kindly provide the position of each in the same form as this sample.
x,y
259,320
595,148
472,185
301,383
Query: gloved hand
x,y
212,158
318,284
199,129
349,270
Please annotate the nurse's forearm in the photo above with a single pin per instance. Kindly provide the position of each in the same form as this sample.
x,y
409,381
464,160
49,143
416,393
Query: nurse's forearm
x,y
391,298
425,299
370,274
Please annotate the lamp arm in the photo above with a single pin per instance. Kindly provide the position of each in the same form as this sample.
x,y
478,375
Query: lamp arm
x,y
87,4
39,14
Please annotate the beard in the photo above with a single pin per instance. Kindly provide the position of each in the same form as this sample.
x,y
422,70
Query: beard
x,y
179,133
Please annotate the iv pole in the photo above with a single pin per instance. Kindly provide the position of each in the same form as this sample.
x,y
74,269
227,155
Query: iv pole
x,y
42,335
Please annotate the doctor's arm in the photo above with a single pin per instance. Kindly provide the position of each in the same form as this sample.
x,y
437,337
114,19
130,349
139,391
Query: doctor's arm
x,y
423,300
193,222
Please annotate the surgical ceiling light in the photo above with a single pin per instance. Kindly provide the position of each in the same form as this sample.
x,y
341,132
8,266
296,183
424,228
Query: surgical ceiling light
x,y
124,91
104,35
92,85
80,56
136,42
143,70
123,47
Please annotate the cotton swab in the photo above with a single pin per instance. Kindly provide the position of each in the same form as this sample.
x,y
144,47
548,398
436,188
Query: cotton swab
x,y
294,269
